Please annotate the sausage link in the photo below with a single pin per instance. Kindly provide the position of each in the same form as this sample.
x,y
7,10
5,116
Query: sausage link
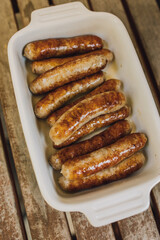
x,y
83,112
70,71
61,47
59,96
109,85
106,157
42,66
98,122
109,136
119,171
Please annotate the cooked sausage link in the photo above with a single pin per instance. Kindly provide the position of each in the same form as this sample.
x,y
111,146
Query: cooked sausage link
x,y
110,135
59,96
109,85
94,124
83,112
70,71
42,66
106,157
119,171
61,47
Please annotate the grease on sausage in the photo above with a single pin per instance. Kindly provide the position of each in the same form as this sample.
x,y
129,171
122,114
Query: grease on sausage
x,y
61,47
59,96
106,157
98,122
42,66
83,112
117,172
109,136
70,71
109,85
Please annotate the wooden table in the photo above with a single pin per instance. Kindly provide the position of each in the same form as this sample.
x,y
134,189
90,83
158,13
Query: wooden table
x,y
23,212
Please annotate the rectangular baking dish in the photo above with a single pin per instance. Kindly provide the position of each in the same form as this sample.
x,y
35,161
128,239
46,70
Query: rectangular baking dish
x,y
117,200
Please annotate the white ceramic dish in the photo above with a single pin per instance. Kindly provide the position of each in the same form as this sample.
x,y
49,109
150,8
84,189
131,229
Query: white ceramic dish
x,y
120,199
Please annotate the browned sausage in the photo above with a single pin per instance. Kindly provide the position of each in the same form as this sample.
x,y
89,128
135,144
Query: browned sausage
x,y
98,122
83,112
61,47
59,96
119,171
70,71
42,66
110,135
106,157
109,85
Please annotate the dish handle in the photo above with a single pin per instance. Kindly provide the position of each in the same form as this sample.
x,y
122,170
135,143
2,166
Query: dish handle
x,y
118,207
58,12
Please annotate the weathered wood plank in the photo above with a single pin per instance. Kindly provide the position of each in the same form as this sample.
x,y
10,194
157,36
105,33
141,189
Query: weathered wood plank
x,y
115,7
141,226
146,16
11,226
44,222
57,2
132,225
27,6
84,230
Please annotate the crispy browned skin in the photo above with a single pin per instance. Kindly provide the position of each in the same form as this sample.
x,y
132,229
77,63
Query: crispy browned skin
x,y
83,112
61,47
119,171
59,96
106,157
70,71
109,85
109,136
42,66
98,122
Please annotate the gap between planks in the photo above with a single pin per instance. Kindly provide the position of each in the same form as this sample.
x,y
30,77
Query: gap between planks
x,y
147,66
14,177
11,219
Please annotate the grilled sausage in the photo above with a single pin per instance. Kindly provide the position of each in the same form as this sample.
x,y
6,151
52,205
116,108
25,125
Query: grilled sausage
x,y
109,136
59,96
106,157
61,47
83,112
117,172
42,66
109,85
70,71
98,122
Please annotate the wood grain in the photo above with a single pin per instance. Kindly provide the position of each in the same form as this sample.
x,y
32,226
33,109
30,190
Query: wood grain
x,y
10,219
45,222
146,16
27,6
84,230
141,226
